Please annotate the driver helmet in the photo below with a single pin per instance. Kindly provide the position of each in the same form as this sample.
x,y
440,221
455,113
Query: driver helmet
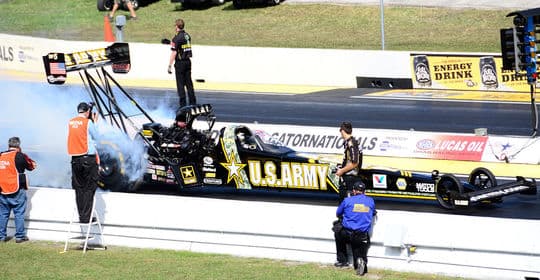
x,y
181,118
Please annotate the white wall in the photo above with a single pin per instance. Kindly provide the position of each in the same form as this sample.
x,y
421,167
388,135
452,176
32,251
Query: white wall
x,y
477,247
314,67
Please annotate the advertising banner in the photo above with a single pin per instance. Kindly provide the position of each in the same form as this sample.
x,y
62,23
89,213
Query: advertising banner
x,y
407,144
466,72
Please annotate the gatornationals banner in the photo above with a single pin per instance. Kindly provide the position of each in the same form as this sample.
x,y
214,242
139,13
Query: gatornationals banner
x,y
434,71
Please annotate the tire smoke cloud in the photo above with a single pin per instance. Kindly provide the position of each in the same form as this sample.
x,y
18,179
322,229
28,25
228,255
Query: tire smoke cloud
x,y
38,113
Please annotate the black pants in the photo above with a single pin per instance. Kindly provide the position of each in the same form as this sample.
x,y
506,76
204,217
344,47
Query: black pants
x,y
183,79
84,175
359,241
345,186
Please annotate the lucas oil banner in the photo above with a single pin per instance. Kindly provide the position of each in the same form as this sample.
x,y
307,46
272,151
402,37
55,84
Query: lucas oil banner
x,y
434,71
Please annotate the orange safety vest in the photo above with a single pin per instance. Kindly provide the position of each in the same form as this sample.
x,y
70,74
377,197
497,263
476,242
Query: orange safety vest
x,y
77,143
9,176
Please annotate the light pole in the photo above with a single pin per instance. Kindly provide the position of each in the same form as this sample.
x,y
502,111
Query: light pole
x,y
382,24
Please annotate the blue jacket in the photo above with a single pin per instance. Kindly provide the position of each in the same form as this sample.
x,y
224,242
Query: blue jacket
x,y
357,212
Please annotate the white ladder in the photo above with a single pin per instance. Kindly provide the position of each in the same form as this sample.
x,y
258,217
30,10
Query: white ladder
x,y
92,222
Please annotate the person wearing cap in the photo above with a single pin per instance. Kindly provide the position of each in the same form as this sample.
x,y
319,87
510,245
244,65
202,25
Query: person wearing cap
x,y
13,186
181,57
356,214
352,161
82,134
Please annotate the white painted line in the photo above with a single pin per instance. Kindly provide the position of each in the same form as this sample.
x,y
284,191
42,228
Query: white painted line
x,y
439,99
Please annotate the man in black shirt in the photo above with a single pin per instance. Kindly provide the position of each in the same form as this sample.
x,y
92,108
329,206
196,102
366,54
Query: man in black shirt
x,y
181,54
352,161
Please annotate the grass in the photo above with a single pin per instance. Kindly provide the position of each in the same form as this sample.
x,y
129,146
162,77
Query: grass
x,y
285,25
42,260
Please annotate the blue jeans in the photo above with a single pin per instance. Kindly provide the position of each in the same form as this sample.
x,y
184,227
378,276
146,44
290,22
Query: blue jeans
x,y
17,202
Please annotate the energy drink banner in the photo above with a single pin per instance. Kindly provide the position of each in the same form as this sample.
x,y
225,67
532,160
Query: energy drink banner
x,y
464,73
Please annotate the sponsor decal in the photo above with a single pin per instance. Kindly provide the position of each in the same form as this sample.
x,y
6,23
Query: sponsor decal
x,y
6,53
210,175
188,174
454,147
461,202
84,57
464,73
213,181
379,181
208,169
53,79
294,175
301,140
425,144
401,184
233,164
360,208
425,187
155,166
208,160
499,193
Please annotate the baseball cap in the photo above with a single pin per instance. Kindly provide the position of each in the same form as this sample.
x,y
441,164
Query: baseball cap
x,y
359,186
83,107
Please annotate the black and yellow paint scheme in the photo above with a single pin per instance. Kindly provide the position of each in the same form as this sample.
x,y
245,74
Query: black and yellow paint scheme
x,y
234,156
480,187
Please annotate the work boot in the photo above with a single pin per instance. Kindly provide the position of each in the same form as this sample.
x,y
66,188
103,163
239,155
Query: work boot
x,y
22,239
361,268
341,264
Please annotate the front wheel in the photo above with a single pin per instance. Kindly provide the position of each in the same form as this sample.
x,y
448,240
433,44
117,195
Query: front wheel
x,y
104,5
482,178
447,186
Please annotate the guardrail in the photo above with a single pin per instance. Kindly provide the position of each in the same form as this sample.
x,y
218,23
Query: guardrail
x,y
477,247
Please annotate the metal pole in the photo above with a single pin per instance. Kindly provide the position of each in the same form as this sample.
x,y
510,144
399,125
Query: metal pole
x,y
534,111
382,24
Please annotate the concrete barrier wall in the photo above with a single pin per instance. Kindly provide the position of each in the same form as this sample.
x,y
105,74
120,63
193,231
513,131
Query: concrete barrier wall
x,y
314,67
489,248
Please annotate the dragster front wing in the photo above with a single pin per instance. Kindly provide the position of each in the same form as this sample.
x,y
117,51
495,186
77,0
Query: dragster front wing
x,y
58,64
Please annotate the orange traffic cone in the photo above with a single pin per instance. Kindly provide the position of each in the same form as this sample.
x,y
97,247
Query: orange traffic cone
x,y
107,30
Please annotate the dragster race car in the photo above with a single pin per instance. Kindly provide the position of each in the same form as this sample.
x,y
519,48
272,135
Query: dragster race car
x,y
238,157
246,159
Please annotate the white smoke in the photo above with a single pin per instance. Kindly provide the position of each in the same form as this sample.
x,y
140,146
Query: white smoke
x,y
38,113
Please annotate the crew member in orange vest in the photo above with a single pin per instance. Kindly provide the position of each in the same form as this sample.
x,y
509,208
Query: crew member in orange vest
x,y
81,147
13,186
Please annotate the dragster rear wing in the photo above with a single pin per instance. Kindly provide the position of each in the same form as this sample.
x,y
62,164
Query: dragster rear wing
x,y
58,64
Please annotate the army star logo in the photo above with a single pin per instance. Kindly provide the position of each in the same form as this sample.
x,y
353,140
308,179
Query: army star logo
x,y
187,173
234,169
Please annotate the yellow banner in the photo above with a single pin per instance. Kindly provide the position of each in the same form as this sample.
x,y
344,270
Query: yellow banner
x,y
464,73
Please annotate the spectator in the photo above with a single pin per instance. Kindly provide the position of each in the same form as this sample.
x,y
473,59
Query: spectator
x,y
128,4
13,186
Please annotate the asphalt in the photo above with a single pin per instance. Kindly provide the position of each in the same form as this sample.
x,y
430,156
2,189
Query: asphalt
x,y
517,5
